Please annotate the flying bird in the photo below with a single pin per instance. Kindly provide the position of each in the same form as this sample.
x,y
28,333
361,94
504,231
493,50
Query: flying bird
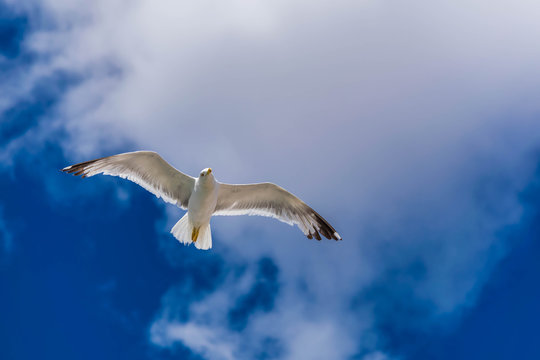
x,y
204,197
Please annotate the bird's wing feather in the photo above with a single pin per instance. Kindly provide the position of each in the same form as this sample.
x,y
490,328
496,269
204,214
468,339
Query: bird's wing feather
x,y
268,199
145,168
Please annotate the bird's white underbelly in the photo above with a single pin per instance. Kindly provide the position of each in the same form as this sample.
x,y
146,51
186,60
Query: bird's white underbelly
x,y
202,204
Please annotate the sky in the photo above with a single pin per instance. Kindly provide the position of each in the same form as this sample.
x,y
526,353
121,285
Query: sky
x,y
413,128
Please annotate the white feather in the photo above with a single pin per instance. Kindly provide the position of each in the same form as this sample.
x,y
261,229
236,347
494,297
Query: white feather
x,y
145,168
183,229
267,199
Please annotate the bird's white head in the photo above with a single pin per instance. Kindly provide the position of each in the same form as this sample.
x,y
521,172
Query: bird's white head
x,y
206,173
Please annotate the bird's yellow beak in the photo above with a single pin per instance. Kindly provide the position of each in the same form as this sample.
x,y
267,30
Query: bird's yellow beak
x,y
209,171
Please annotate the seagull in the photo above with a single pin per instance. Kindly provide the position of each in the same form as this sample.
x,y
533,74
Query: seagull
x,y
204,197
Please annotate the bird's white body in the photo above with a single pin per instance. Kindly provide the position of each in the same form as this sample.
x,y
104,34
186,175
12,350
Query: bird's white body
x,y
204,197
194,227
203,200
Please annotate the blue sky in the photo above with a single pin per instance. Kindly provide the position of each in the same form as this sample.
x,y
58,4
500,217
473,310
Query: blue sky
x,y
413,128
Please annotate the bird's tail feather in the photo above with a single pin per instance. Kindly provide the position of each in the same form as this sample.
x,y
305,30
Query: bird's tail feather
x,y
184,232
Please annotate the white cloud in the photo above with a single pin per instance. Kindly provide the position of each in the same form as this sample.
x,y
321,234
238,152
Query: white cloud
x,y
290,323
425,111
203,340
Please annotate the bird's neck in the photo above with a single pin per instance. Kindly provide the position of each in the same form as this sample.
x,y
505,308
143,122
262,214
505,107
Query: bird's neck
x,y
206,183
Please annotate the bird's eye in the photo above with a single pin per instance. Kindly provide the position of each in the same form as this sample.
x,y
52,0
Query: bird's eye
x,y
202,174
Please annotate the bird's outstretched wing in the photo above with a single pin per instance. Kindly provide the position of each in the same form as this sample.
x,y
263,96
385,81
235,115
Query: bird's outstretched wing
x,y
268,199
145,168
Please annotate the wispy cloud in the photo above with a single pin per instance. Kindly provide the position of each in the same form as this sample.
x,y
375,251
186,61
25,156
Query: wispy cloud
x,y
282,330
